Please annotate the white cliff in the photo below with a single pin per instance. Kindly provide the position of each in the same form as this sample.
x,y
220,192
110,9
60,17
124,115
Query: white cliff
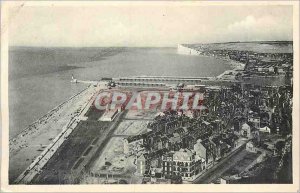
x,y
187,51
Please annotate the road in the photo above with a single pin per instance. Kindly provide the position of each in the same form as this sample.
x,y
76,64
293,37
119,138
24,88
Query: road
x,y
221,167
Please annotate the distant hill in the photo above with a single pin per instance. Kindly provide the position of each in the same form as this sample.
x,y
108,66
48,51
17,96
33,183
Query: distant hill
x,y
256,46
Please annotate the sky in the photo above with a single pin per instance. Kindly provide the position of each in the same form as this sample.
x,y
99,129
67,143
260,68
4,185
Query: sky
x,y
147,26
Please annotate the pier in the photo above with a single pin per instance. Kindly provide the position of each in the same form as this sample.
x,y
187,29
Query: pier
x,y
164,79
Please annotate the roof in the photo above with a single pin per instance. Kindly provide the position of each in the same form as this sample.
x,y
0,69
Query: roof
x,y
134,138
250,142
206,123
205,143
224,146
199,146
175,138
169,154
217,140
265,129
141,157
245,125
183,154
176,135
138,137
181,130
157,154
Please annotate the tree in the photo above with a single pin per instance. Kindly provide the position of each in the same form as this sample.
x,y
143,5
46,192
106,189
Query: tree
x,y
279,146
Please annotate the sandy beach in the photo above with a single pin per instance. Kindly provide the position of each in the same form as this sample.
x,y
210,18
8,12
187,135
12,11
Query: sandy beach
x,y
29,144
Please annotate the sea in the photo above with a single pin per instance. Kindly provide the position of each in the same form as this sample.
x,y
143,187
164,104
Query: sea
x,y
39,78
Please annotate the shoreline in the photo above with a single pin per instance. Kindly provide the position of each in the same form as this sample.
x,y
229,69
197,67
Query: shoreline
x,y
38,163
184,50
29,144
235,65
49,113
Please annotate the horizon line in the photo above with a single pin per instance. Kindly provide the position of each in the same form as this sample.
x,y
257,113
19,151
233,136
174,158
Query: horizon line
x,y
255,41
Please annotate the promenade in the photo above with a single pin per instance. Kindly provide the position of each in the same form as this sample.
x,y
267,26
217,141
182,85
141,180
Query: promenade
x,y
75,114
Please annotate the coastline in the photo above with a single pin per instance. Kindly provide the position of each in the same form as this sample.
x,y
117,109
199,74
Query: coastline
x,y
35,167
45,116
183,50
229,74
28,145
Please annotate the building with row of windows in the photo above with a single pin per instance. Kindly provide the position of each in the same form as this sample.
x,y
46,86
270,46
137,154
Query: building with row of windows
x,y
185,163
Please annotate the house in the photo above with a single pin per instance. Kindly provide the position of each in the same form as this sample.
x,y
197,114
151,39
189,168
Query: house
x,y
167,164
251,147
201,152
237,124
182,163
156,172
217,126
133,144
265,129
246,131
186,164
216,147
209,152
281,71
141,165
255,120
230,139
271,69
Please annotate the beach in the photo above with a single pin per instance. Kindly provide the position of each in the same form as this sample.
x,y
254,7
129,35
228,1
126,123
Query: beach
x,y
30,143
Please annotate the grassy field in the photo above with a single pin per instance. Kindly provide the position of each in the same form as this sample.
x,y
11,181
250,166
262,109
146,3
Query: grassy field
x,y
69,155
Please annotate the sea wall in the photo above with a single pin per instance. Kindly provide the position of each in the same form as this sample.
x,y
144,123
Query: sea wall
x,y
187,51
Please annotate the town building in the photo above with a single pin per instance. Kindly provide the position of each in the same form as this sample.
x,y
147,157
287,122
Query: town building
x,y
133,144
183,163
251,147
246,131
255,120
265,129
141,165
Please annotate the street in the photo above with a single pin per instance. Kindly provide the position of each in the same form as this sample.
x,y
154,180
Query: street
x,y
218,169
